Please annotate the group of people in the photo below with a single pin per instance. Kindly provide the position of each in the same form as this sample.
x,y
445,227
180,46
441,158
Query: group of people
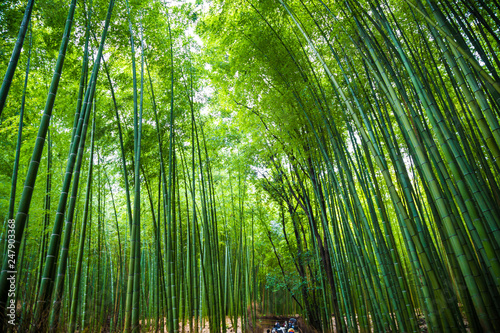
x,y
286,327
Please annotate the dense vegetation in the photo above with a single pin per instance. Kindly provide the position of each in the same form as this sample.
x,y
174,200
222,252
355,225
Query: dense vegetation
x,y
176,164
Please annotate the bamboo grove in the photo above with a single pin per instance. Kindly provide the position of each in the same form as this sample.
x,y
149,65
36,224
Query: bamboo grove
x,y
187,165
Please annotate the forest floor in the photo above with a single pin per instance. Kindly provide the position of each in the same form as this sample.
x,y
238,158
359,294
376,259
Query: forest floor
x,y
266,323
205,328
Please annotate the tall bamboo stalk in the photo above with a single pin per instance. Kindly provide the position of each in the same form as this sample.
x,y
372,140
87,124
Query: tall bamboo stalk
x,y
16,52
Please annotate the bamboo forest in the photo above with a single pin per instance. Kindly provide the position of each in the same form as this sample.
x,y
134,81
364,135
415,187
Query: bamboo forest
x,y
250,166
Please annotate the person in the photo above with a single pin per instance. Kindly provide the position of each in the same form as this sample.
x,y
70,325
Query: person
x,y
277,325
284,324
